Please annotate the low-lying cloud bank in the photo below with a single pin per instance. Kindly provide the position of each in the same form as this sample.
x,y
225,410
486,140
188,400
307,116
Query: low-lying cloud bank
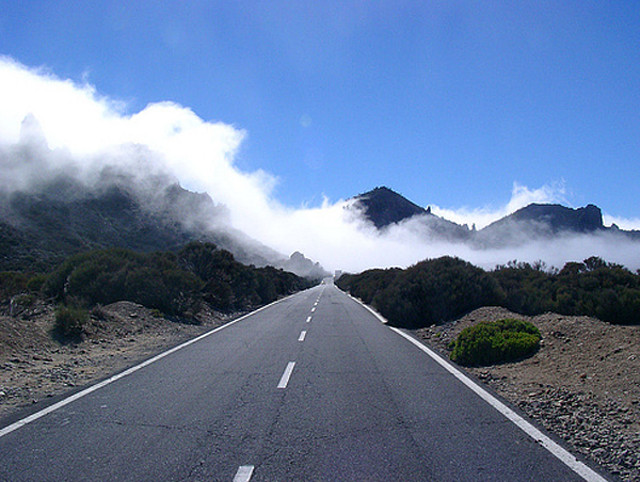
x,y
50,126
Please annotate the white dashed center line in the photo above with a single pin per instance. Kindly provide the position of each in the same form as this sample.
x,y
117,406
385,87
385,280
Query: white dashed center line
x,y
313,309
308,319
244,473
286,375
303,333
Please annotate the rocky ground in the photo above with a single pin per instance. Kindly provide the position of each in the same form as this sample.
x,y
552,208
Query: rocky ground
x,y
34,365
583,384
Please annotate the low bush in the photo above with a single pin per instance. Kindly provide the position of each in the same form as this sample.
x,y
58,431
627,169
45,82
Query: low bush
x,y
36,282
12,283
174,284
230,285
435,291
594,287
70,321
20,303
438,290
368,284
105,276
488,343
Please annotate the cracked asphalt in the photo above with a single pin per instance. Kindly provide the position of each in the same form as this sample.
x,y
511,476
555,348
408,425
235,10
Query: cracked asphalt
x,y
362,403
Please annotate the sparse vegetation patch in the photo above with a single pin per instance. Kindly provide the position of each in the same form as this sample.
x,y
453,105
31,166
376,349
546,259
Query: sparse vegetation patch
x,y
70,321
488,343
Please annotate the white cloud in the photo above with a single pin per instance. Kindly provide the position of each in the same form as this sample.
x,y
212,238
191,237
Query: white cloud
x,y
622,223
87,130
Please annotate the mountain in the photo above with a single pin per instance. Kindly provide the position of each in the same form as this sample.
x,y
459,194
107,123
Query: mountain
x,y
41,227
53,205
299,264
558,218
384,208
540,221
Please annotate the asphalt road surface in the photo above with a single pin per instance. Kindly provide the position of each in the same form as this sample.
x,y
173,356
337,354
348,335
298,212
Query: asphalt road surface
x,y
313,387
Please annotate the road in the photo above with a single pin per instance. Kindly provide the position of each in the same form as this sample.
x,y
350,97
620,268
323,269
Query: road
x,y
313,387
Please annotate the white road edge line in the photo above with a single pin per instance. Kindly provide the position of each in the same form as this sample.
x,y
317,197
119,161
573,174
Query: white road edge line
x,y
556,450
52,408
302,336
284,380
381,318
560,453
244,473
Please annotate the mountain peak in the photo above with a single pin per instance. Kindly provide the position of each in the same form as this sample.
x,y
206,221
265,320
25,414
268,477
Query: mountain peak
x,y
383,206
561,218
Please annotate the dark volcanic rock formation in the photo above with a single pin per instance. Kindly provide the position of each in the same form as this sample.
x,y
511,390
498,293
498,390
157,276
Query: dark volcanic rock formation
x,y
383,207
558,218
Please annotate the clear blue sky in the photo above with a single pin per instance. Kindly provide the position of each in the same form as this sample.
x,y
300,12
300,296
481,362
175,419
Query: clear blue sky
x,y
446,102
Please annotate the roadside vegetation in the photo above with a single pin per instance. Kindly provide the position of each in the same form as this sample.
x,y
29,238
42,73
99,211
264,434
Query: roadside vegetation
x,y
439,290
488,343
70,321
173,284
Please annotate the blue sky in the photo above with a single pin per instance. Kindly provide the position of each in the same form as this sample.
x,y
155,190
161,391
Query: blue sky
x,y
446,102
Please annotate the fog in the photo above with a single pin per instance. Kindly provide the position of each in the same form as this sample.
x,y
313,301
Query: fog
x,y
50,126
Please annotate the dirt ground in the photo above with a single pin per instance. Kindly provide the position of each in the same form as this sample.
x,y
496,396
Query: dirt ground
x,y
583,384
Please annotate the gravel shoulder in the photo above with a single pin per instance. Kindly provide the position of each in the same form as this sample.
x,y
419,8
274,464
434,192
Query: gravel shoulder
x,y
583,384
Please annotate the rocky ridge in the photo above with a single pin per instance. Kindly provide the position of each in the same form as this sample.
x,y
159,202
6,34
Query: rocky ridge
x,y
384,208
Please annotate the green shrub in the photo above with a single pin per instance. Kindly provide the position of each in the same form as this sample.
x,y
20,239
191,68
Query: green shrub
x,y
173,284
442,289
435,291
36,282
105,276
70,321
368,284
20,303
12,283
487,343
229,285
594,287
